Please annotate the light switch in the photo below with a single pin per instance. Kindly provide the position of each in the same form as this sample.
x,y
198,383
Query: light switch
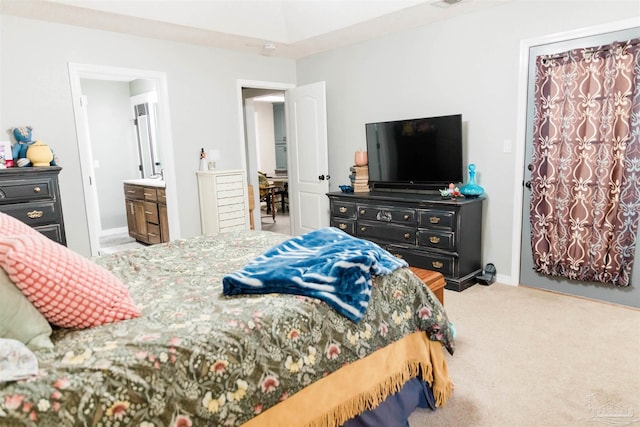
x,y
506,146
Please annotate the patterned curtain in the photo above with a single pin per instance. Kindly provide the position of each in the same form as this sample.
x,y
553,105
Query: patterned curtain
x,y
585,192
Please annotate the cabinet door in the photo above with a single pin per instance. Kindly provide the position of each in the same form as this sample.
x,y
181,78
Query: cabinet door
x,y
279,123
164,223
140,221
281,156
131,218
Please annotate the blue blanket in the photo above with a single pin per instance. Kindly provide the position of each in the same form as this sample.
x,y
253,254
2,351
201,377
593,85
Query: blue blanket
x,y
327,264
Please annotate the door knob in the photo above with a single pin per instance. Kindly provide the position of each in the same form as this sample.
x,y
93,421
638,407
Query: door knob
x,y
321,177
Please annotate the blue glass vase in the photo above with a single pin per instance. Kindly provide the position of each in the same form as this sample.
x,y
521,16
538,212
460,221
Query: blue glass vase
x,y
471,189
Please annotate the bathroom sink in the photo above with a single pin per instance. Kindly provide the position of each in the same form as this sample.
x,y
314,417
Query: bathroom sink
x,y
150,182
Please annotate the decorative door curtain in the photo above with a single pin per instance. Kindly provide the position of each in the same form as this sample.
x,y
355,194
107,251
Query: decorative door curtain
x,y
585,180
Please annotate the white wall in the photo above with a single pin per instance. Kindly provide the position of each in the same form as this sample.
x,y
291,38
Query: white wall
x,y
202,85
467,65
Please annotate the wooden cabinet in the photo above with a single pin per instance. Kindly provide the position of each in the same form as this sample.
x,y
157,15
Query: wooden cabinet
x,y
427,231
223,201
32,195
280,136
146,213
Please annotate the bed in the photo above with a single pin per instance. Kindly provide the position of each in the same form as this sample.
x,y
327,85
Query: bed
x,y
196,357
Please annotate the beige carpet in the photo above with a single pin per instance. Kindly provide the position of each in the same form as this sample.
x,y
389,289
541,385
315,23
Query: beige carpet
x,y
527,357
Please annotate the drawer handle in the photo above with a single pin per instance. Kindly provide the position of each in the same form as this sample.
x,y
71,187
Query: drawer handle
x,y
342,226
148,194
406,217
437,264
35,214
434,239
36,189
384,216
131,191
434,220
407,235
342,209
363,229
148,213
152,235
131,208
362,211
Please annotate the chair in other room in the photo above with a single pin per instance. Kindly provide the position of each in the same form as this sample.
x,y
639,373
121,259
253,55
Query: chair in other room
x,y
267,192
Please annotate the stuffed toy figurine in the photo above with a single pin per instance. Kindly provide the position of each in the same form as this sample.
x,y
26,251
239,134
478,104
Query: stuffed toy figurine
x,y
23,136
23,140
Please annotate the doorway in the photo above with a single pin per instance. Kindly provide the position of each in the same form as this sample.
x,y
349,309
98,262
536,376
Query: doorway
x,y
261,104
594,290
271,159
105,164
307,151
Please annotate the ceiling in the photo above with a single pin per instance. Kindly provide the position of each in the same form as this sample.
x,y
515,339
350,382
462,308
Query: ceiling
x,y
289,28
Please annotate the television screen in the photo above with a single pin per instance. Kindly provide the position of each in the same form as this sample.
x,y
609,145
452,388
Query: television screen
x,y
416,153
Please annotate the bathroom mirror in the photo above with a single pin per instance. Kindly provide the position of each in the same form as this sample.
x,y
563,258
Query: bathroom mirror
x,y
146,130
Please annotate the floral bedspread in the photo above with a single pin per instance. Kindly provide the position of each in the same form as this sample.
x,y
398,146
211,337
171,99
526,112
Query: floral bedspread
x,y
196,357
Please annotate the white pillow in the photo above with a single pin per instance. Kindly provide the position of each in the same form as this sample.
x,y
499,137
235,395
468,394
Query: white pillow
x,y
19,319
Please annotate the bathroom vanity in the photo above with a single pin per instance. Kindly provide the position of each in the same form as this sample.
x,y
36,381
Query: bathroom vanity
x,y
146,204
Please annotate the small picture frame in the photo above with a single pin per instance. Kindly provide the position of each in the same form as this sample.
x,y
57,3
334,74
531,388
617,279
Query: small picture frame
x,y
6,158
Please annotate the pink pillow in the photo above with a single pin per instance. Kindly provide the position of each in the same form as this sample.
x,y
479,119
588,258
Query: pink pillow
x,y
68,289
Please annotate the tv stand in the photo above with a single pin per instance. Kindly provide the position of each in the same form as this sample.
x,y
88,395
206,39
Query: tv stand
x,y
429,232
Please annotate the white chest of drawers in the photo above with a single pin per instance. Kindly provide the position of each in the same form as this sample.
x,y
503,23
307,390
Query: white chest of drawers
x,y
223,201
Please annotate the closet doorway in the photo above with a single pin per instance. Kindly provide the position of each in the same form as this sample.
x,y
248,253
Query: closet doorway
x,y
527,276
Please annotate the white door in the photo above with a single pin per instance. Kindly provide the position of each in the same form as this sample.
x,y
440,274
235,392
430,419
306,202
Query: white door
x,y
308,157
529,277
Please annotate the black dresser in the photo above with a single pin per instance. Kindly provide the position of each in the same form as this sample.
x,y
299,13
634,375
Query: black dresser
x,y
32,195
427,231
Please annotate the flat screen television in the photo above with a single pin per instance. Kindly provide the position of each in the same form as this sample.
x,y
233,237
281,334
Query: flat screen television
x,y
421,154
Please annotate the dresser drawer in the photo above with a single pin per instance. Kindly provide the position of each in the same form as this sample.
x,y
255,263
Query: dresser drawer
x,y
343,209
150,194
151,213
33,214
23,190
387,232
162,196
437,219
442,263
436,239
344,224
52,231
133,192
32,195
387,214
153,234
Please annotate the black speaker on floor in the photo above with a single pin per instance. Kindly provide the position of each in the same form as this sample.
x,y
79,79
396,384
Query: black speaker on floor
x,y
488,276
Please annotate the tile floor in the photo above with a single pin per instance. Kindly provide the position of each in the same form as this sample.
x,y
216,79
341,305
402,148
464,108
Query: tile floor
x,y
116,243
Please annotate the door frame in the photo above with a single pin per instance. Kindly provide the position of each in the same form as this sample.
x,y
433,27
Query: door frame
x,y
249,148
521,124
77,72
